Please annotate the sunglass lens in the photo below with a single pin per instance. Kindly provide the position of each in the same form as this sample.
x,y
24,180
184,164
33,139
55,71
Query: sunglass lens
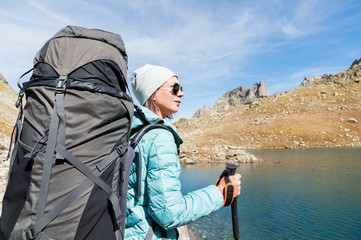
x,y
176,88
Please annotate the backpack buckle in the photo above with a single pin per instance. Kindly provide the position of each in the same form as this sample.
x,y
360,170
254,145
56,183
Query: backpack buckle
x,y
20,98
61,84
122,149
30,234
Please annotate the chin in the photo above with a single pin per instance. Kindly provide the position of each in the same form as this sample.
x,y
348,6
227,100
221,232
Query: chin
x,y
175,111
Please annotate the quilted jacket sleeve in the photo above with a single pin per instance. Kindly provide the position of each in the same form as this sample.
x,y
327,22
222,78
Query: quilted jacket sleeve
x,y
167,206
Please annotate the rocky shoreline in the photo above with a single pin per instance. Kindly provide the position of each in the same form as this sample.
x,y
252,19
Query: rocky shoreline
x,y
219,155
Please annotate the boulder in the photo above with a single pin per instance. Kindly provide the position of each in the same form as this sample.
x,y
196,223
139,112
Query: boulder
x,y
352,120
204,111
308,80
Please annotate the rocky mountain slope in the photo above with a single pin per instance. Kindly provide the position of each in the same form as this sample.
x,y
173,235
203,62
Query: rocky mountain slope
x,y
234,98
8,112
8,115
324,112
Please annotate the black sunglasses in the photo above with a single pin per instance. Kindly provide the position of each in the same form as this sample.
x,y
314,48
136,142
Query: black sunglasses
x,y
175,88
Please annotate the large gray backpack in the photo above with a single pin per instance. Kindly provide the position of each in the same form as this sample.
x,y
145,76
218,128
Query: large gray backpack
x,y
68,177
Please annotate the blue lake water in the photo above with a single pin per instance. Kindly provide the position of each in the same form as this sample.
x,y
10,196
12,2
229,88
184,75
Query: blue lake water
x,y
294,194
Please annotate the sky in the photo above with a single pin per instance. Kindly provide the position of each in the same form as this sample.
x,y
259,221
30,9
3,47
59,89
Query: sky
x,y
213,46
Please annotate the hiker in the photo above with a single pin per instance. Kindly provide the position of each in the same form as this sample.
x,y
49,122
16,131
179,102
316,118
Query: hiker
x,y
160,206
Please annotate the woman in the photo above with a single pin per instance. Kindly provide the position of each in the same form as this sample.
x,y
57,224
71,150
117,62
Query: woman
x,y
161,207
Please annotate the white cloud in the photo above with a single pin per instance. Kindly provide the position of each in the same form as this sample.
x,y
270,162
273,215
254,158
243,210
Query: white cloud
x,y
308,17
21,43
53,14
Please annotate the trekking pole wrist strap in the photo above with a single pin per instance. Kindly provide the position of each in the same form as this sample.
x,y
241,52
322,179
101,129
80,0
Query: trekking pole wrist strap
x,y
229,189
228,194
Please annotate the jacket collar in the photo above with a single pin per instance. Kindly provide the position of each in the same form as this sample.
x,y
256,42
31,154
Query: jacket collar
x,y
138,122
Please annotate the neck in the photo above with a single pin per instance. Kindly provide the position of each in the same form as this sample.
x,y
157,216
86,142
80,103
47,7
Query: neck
x,y
159,114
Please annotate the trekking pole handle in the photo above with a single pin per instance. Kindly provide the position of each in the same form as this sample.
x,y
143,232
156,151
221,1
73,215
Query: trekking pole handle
x,y
232,171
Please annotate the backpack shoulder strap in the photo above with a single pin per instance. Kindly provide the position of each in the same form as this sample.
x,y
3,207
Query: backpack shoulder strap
x,y
134,141
150,126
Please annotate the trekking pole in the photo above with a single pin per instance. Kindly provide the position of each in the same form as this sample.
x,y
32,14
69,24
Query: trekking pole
x,y
228,193
232,171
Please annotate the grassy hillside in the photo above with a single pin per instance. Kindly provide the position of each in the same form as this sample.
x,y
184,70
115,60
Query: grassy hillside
x,y
326,113
8,112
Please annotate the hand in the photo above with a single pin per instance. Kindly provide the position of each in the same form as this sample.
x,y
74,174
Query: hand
x,y
236,180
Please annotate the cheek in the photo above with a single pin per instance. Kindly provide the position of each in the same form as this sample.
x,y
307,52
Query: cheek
x,y
163,99
166,104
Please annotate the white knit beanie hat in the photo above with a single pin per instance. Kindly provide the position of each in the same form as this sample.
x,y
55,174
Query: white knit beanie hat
x,y
147,79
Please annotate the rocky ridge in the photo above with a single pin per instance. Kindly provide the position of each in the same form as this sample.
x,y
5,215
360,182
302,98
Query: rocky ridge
x,y
234,98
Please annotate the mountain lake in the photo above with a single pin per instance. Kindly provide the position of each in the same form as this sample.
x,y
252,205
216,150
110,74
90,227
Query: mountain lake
x,y
294,194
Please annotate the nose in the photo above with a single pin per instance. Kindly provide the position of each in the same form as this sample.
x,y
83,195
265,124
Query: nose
x,y
180,93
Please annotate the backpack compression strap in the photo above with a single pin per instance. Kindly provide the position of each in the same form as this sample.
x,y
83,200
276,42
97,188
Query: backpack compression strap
x,y
228,191
57,131
50,147
101,167
18,125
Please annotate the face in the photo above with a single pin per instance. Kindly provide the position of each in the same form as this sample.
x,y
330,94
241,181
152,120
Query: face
x,y
166,100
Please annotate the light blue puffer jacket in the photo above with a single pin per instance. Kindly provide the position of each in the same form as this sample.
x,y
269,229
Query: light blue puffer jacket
x,y
161,198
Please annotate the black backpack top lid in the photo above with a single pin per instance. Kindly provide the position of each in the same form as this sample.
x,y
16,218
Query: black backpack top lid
x,y
90,45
